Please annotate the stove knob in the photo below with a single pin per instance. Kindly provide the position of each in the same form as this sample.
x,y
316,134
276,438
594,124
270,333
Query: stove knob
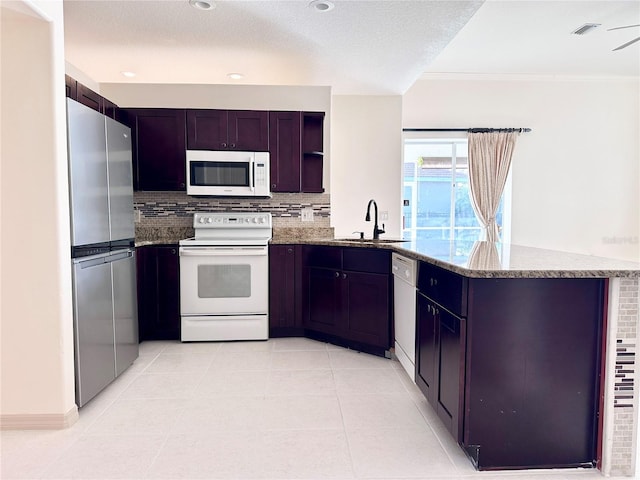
x,y
255,220
201,220
209,220
261,219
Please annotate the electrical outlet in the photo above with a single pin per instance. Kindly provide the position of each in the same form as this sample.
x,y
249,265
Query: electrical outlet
x,y
136,216
306,214
384,215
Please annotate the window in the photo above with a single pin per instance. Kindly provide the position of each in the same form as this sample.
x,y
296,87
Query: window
x,y
436,198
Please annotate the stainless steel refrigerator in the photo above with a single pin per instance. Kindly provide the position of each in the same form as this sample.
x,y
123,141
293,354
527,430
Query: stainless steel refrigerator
x,y
102,249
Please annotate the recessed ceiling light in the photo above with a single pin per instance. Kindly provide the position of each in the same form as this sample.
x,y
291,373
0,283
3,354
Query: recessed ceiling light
x,y
128,74
202,4
235,76
321,5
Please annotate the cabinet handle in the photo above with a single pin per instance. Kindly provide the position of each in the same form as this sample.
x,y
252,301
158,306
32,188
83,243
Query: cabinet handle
x,y
173,251
223,145
433,282
337,274
273,185
232,145
289,250
344,275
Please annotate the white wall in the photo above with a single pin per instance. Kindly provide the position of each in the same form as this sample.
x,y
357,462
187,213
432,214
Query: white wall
x,y
366,153
576,176
37,319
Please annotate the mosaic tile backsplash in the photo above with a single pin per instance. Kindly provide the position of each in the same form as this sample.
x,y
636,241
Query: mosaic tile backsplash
x,y
173,211
625,378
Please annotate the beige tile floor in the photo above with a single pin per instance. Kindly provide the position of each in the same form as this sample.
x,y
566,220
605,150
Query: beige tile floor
x,y
281,409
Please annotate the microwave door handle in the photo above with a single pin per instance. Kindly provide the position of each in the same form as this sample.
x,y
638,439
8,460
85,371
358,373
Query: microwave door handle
x,y
252,176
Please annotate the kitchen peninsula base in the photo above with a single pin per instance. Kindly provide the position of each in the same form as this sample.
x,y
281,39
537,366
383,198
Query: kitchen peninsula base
x,y
548,307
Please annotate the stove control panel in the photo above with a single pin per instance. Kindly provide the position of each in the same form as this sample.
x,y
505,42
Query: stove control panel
x,y
231,220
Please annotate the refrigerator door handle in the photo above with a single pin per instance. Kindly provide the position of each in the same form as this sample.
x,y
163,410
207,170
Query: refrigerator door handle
x,y
114,257
91,262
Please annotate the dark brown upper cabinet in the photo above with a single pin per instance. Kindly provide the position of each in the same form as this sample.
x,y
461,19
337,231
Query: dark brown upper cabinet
x,y
83,94
71,86
312,152
159,148
88,97
285,150
245,130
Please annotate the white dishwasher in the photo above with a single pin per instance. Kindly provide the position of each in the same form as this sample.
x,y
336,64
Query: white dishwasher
x,y
404,310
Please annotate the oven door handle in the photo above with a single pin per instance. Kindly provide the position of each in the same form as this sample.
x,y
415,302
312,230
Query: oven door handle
x,y
222,251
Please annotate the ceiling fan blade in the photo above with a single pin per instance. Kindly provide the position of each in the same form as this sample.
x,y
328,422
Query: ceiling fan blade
x,y
620,28
626,44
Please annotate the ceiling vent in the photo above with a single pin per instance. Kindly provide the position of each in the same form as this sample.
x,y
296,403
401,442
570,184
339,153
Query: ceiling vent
x,y
586,28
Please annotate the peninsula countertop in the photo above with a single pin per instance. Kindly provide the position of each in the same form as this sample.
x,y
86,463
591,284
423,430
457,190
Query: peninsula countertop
x,y
491,260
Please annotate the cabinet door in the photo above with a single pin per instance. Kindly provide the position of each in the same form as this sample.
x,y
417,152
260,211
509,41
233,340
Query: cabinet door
x,y
158,293
365,302
324,312
426,347
159,156
88,97
109,108
285,151
283,311
249,130
207,129
444,287
451,370
71,87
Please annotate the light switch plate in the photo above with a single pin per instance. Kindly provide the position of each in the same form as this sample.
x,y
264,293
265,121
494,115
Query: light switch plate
x,y
306,214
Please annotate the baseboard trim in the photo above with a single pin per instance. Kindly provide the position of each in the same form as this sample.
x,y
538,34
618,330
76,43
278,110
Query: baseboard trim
x,y
39,421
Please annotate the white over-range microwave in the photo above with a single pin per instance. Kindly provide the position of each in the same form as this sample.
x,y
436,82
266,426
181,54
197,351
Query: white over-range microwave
x,y
228,173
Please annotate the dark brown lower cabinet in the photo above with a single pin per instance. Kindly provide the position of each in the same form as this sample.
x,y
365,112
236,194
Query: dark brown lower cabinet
x,y
346,297
440,361
158,270
285,318
516,381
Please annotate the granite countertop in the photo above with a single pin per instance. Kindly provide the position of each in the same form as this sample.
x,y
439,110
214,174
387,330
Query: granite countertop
x,y
495,260
468,258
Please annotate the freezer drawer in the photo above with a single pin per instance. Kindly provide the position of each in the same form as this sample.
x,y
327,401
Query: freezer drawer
x,y
125,311
105,320
93,327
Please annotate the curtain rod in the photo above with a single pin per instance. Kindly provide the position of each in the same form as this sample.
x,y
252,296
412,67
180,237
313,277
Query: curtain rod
x,y
471,130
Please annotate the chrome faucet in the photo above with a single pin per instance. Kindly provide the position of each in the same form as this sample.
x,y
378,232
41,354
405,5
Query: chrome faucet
x,y
376,231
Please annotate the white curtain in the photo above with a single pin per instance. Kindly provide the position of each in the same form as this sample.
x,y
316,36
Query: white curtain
x,y
489,162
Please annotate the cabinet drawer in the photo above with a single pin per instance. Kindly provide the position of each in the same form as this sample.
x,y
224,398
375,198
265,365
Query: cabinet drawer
x,y
370,260
324,257
444,287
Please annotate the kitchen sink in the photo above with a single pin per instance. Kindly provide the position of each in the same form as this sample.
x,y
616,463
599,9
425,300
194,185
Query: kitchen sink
x,y
371,240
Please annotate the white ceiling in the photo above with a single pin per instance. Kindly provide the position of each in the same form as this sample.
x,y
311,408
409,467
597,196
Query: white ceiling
x,y
534,37
359,47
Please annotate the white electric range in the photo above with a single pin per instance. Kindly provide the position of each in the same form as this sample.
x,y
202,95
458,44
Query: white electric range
x,y
224,277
